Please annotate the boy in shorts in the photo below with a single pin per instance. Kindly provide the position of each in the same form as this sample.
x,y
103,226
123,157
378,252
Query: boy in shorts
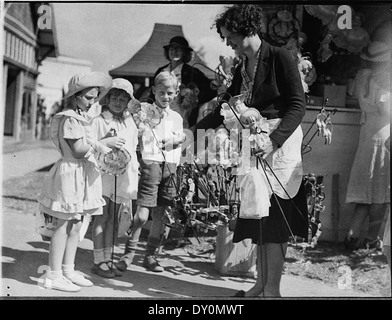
x,y
160,155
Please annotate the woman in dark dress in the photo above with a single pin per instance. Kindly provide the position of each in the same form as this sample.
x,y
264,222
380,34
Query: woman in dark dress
x,y
179,55
268,77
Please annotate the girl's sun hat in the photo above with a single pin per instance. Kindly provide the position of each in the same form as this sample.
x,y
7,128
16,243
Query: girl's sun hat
x,y
123,84
80,82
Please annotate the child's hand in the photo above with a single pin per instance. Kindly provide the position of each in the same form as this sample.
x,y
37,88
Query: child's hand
x,y
99,149
113,142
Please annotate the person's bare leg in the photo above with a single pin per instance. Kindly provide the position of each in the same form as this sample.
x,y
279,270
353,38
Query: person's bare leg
x,y
261,266
140,219
57,246
157,224
275,257
154,240
361,212
377,213
387,252
110,230
73,230
98,237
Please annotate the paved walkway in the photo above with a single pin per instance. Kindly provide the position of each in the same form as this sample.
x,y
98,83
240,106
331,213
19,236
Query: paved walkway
x,y
23,157
187,275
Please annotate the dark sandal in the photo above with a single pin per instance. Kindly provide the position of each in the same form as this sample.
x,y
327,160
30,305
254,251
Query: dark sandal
x,y
96,269
113,268
121,265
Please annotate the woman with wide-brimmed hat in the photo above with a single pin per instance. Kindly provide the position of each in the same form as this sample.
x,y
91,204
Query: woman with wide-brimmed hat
x,y
72,190
194,85
369,182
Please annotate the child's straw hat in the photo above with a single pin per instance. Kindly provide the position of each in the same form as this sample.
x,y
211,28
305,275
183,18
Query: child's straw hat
x,y
123,84
80,82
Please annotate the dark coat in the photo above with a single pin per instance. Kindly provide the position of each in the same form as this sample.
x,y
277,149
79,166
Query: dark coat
x,y
191,74
277,92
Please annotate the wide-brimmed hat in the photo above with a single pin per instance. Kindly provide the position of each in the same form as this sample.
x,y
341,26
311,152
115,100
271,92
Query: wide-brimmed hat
x,y
80,82
123,84
377,51
178,41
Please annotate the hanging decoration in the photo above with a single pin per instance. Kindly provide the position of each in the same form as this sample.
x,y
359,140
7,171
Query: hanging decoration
x,y
306,68
324,127
283,27
186,101
353,40
314,197
326,13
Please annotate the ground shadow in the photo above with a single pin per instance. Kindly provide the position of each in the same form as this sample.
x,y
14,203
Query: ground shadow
x,y
45,169
160,285
24,266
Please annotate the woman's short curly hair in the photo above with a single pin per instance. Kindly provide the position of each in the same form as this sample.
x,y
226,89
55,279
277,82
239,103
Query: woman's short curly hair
x,y
244,19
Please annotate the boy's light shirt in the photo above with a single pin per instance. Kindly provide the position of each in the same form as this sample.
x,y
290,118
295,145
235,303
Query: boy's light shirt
x,y
171,124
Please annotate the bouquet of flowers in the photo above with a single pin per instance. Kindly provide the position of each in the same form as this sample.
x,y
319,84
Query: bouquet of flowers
x,y
224,73
186,101
304,63
306,71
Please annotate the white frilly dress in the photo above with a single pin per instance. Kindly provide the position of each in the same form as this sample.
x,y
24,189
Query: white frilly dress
x,y
127,182
73,187
370,173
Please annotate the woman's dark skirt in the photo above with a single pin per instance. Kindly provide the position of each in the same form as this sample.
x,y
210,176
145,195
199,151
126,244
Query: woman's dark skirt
x,y
274,228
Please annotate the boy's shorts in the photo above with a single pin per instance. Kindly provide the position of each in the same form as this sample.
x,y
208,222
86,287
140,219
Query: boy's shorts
x,y
156,184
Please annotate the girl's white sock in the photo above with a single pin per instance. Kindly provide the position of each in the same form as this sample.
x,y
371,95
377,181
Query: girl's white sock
x,y
68,269
107,253
98,256
52,275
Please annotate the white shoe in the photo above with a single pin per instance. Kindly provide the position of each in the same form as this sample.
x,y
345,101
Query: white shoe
x,y
79,280
62,284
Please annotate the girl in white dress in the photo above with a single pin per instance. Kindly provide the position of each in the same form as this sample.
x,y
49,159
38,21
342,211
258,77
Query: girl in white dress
x,y
369,183
72,189
119,186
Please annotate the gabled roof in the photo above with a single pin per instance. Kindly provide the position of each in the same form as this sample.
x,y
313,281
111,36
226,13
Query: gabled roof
x,y
149,58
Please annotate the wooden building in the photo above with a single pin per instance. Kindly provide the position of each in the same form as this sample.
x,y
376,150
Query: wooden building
x,y
26,46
